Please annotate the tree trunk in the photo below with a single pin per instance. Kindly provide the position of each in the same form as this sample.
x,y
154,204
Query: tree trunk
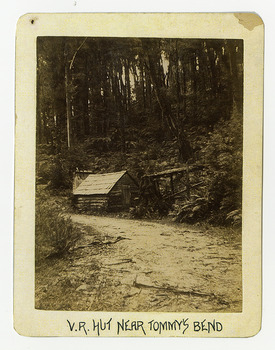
x,y
122,131
142,85
68,100
148,89
85,121
184,90
128,85
175,126
177,81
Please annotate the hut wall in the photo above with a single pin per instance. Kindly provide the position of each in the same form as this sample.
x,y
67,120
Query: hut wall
x,y
91,203
116,199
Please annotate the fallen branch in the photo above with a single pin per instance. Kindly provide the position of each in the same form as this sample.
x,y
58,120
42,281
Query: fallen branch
x,y
124,261
88,245
118,239
177,193
132,295
173,290
219,257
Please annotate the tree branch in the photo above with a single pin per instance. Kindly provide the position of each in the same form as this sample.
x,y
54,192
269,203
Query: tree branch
x,y
72,61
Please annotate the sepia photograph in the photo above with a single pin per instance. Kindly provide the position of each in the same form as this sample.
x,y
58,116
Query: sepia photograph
x,y
139,159
138,175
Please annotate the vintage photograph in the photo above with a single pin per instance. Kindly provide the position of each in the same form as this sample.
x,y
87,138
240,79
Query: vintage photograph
x,y
139,161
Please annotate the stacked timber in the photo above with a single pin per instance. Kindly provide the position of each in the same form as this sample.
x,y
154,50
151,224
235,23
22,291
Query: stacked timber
x,y
91,203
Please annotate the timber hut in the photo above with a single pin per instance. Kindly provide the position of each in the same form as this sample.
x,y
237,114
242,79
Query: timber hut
x,y
110,191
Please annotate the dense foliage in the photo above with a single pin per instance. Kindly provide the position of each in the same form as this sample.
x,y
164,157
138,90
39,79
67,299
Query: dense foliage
x,y
55,232
144,105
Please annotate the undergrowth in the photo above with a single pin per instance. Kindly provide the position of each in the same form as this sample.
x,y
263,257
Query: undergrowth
x,y
55,233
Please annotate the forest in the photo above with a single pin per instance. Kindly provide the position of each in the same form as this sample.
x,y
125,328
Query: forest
x,y
145,105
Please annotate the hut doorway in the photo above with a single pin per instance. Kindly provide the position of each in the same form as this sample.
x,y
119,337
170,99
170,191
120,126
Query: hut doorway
x,y
126,195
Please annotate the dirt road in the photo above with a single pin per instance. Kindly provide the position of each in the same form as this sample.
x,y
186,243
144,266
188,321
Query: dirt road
x,y
131,265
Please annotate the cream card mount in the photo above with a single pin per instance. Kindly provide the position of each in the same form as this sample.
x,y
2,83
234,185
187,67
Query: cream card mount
x,y
138,175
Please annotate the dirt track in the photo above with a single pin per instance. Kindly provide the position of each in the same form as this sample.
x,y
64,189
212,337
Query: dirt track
x,y
155,267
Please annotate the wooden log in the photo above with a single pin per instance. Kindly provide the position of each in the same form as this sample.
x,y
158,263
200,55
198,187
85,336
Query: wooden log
x,y
173,290
184,190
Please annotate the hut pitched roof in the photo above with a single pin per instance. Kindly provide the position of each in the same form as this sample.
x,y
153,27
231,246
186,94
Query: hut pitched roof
x,y
98,183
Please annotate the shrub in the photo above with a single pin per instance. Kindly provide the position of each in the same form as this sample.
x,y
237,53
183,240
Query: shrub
x,y
219,199
63,166
223,155
55,233
193,211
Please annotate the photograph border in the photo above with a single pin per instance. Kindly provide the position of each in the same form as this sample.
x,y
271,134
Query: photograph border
x,y
29,321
